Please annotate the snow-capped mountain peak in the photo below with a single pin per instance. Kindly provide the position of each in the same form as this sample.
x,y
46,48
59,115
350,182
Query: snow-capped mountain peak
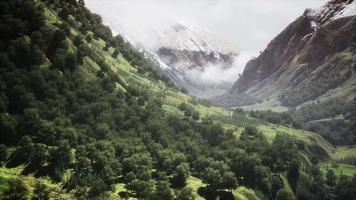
x,y
331,11
191,56
191,37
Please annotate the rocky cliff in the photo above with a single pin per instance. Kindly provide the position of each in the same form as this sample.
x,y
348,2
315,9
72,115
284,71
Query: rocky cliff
x,y
313,58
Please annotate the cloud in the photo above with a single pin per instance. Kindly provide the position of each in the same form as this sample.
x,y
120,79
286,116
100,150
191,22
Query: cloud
x,y
248,24
215,74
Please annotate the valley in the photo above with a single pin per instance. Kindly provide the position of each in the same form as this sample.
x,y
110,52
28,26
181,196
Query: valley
x,y
89,117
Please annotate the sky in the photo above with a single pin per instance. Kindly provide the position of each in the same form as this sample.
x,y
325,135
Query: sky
x,y
247,24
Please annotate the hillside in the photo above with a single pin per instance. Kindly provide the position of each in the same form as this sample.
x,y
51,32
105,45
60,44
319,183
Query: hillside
x,y
189,56
312,59
83,115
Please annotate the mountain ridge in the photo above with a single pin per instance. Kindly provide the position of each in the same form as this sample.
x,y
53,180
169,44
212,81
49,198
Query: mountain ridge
x,y
303,62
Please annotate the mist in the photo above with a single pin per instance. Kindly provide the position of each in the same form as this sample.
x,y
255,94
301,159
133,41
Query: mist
x,y
217,74
247,24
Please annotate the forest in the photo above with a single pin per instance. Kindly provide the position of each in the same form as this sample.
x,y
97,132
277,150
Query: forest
x,y
333,119
89,134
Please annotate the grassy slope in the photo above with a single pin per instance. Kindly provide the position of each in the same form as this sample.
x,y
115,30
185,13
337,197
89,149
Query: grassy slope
x,y
30,181
344,152
171,99
340,168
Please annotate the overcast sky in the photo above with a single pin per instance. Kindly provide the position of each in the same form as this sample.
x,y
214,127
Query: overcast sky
x,y
247,24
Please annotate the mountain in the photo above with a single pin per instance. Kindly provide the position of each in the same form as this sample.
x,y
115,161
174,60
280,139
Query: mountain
x,y
83,115
190,55
314,58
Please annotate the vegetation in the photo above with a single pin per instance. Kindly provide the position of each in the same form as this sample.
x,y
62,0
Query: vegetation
x,y
322,80
95,121
333,119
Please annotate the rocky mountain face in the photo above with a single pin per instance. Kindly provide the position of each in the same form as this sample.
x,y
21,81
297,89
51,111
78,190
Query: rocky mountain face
x,y
312,59
193,58
191,47
184,52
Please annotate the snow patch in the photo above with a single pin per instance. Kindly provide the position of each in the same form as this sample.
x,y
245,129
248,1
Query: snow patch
x,y
349,10
191,37
331,11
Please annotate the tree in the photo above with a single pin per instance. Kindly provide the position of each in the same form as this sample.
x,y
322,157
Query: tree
x,y
56,43
163,191
277,184
183,106
20,52
38,156
17,190
102,130
98,187
3,105
64,13
83,50
41,192
229,181
60,158
115,53
180,175
81,3
218,176
342,189
3,153
78,40
186,194
196,115
37,39
212,176
8,126
71,61
284,194
331,178
107,46
89,37
141,101
143,189
37,55
59,60
293,174
250,132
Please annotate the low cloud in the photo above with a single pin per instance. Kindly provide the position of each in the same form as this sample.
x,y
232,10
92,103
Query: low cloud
x,y
248,24
216,74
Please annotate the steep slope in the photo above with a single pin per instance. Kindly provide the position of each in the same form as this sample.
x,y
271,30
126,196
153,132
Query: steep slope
x,y
100,126
314,57
188,54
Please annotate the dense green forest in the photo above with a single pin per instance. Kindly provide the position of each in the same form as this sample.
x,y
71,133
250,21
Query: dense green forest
x,y
333,119
90,133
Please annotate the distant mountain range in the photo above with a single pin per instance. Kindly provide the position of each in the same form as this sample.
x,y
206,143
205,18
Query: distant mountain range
x,y
314,58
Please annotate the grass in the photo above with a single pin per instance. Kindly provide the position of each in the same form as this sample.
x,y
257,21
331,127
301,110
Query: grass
x,y
339,169
7,174
271,130
171,101
195,184
172,98
51,18
240,193
344,152
243,193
